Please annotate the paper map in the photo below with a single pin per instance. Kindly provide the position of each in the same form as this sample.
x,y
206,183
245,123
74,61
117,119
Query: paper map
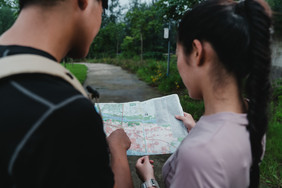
x,y
150,125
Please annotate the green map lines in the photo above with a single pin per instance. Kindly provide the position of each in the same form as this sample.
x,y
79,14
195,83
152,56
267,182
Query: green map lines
x,y
150,125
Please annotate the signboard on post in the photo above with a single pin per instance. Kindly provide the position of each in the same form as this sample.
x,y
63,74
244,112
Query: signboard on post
x,y
166,33
166,36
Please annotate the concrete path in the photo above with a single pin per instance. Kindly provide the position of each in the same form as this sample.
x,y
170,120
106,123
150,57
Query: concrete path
x,y
277,54
276,71
117,85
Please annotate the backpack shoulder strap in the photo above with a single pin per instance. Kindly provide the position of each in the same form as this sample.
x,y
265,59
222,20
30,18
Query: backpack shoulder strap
x,y
28,64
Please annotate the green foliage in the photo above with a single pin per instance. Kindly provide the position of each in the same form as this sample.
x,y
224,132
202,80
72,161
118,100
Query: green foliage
x,y
145,27
78,70
108,41
9,3
276,7
271,166
7,18
170,83
153,55
138,33
128,47
140,30
191,106
277,92
112,13
175,9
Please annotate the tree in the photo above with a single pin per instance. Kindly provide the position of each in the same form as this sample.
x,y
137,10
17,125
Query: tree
x,y
108,41
175,9
128,46
112,14
276,6
139,24
8,3
144,22
111,34
7,18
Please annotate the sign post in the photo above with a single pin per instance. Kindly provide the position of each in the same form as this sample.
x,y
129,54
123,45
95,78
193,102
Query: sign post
x,y
167,36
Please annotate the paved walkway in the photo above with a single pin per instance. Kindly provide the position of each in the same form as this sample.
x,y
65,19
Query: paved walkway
x,y
277,54
117,85
276,71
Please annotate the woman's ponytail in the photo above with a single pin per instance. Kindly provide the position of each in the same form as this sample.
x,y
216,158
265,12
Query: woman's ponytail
x,y
258,84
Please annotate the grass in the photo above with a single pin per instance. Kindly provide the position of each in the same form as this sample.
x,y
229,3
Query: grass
x,y
154,73
271,166
78,70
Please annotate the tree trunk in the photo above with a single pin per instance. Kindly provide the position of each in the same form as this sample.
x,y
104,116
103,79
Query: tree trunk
x,y
117,47
141,48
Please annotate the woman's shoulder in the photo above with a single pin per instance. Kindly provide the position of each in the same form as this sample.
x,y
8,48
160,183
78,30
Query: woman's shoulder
x,y
216,152
216,145
214,137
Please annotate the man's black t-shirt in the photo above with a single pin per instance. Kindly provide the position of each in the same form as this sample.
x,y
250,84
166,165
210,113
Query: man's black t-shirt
x,y
50,135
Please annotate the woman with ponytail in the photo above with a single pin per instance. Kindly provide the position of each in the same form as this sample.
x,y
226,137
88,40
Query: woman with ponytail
x,y
224,59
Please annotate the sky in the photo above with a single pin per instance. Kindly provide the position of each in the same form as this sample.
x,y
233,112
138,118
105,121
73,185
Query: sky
x,y
126,2
123,2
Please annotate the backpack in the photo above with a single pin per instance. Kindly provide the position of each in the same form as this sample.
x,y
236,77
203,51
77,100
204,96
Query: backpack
x,y
30,64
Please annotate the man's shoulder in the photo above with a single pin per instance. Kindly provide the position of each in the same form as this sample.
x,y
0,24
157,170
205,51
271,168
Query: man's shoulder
x,y
51,88
32,95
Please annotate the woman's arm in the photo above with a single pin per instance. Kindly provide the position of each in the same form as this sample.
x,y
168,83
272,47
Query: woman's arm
x,y
144,169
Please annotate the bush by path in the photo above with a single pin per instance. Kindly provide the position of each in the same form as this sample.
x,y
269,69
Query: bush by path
x,y
271,166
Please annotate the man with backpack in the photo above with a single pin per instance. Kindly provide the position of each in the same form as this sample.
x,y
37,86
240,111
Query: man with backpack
x,y
50,133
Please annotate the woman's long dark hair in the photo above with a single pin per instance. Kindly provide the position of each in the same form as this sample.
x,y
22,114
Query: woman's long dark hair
x,y
240,35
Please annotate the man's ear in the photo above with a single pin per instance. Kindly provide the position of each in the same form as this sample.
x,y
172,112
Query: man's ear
x,y
82,4
198,52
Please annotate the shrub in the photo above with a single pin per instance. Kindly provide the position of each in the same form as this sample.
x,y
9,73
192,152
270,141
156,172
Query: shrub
x,y
153,55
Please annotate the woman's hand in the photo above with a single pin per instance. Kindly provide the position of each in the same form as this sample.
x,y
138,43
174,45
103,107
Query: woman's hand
x,y
187,120
144,168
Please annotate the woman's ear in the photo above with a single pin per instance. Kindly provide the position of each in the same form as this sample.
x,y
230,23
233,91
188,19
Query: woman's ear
x,y
198,52
82,4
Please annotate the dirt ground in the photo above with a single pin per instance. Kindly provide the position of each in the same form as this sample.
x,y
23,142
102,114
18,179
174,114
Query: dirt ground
x,y
117,85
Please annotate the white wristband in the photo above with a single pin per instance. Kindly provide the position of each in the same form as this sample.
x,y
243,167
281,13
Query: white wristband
x,y
150,183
